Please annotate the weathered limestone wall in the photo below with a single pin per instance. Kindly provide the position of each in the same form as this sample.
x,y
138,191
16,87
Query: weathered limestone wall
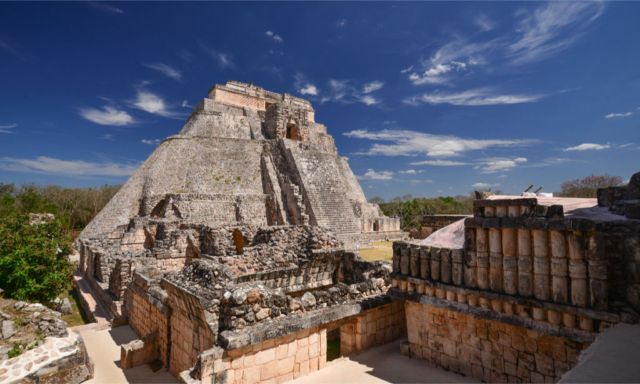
x,y
381,224
373,328
189,338
277,360
148,312
487,350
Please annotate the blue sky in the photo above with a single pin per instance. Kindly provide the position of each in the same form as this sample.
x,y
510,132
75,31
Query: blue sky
x,y
427,98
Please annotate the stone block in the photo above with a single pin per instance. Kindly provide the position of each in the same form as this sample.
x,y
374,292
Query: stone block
x,y
251,375
302,355
265,356
269,371
282,351
286,365
544,364
304,368
314,364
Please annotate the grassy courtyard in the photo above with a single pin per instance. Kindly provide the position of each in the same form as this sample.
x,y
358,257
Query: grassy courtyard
x,y
382,250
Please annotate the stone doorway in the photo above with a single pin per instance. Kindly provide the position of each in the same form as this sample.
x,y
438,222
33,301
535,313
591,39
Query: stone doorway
x,y
292,132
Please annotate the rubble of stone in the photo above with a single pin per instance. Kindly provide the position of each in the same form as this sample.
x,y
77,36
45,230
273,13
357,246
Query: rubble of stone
x,y
624,201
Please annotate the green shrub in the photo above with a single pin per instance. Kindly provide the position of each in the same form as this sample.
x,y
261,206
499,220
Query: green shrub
x,y
33,259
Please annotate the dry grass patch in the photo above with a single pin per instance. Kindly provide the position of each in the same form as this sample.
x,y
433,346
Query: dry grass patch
x,y
382,250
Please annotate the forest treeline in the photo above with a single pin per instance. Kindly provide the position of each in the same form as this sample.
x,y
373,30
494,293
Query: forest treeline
x,y
74,207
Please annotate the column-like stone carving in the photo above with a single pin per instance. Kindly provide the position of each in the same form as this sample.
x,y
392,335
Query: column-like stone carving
x,y
513,211
445,265
435,263
405,254
540,265
559,286
510,262
597,271
470,258
414,262
501,211
425,260
396,257
525,263
456,269
577,270
495,259
482,245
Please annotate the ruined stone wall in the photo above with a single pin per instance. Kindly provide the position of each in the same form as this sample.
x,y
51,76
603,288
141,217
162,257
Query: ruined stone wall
x,y
189,338
277,360
374,328
381,224
487,350
147,310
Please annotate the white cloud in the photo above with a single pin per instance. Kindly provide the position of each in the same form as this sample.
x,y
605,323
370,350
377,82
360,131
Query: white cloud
x,y
152,142
309,89
373,175
185,104
152,103
502,177
484,23
416,182
341,23
108,116
107,136
620,146
274,37
440,163
303,85
485,185
435,74
493,165
587,147
613,115
410,143
412,171
472,97
407,69
6,128
369,100
166,70
372,86
76,168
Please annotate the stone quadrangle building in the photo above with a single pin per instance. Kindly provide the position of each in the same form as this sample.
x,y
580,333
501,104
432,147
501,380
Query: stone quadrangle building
x,y
232,252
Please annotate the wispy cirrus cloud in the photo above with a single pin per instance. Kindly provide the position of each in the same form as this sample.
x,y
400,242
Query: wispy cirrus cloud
x,y
75,168
341,23
473,97
620,146
165,70
152,141
107,116
107,8
588,147
614,115
7,128
411,143
372,86
348,91
535,33
412,171
485,24
224,60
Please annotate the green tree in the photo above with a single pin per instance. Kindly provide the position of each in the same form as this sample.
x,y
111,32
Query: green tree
x,y
33,258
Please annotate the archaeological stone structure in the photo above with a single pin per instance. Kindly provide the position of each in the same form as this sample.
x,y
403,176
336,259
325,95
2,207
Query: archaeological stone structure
x,y
233,254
